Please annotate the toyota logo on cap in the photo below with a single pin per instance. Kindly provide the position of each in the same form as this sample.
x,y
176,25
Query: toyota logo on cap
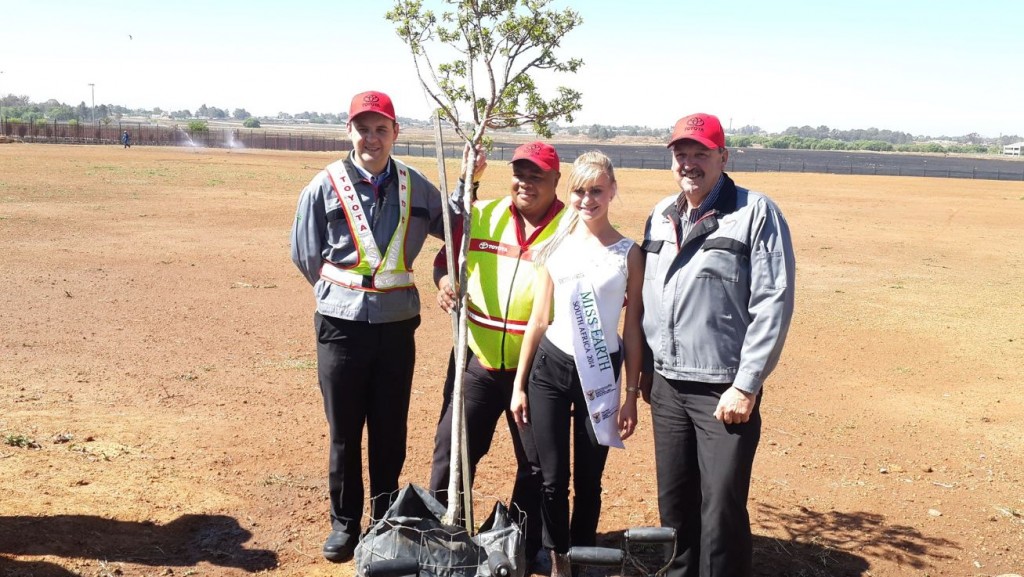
x,y
541,154
372,101
703,128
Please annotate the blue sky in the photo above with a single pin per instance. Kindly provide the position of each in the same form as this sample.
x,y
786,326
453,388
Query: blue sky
x,y
923,67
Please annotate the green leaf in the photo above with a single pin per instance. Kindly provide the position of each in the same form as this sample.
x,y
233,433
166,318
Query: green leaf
x,y
479,58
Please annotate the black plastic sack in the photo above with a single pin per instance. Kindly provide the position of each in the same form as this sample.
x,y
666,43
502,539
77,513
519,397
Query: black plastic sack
x,y
412,529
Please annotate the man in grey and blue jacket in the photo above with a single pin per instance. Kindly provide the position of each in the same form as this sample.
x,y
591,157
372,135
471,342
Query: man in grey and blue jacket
x,y
358,227
718,300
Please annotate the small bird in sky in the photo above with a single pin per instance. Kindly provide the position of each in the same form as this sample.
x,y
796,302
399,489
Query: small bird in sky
x,y
129,37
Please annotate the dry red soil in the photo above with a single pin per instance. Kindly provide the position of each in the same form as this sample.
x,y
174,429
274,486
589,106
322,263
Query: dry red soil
x,y
160,415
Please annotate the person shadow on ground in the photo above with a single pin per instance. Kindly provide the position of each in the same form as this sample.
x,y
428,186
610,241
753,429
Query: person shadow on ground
x,y
772,558
813,544
184,542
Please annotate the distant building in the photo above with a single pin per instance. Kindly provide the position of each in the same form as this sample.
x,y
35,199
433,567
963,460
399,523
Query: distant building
x,y
1013,149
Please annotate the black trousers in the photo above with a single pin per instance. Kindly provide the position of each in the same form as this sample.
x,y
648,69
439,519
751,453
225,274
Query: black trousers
x,y
488,395
556,403
703,469
365,372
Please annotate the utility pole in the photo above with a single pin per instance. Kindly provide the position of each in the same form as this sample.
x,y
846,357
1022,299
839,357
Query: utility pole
x,y
93,113
3,129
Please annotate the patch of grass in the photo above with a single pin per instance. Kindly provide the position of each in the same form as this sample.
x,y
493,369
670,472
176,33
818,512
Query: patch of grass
x,y
1013,514
22,441
108,569
290,481
289,364
100,451
241,284
61,438
301,364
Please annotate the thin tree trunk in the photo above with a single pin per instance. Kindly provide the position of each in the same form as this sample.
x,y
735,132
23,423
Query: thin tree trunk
x,y
462,342
459,465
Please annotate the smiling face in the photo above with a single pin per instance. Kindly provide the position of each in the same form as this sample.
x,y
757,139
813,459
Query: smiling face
x,y
591,197
697,168
533,190
372,135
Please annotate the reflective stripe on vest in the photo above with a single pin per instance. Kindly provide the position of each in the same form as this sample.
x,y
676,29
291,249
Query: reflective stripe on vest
x,y
371,272
500,283
382,281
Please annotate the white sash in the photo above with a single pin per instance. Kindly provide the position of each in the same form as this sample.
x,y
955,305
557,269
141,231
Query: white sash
x,y
594,365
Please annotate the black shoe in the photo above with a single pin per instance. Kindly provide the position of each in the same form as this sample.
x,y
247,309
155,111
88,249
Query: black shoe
x,y
339,547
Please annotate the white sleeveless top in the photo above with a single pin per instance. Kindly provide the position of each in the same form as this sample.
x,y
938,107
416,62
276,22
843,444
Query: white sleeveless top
x,y
605,268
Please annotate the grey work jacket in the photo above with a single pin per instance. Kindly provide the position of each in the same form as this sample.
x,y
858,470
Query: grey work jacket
x,y
718,304
321,232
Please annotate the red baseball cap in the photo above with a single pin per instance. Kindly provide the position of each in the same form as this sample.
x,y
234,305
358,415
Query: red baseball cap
x,y
371,101
703,128
539,153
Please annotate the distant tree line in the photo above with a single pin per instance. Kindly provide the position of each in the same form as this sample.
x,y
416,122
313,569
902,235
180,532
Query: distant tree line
x,y
601,132
802,143
21,109
858,135
871,139
823,138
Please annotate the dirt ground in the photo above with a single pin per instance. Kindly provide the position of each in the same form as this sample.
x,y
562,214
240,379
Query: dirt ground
x,y
160,415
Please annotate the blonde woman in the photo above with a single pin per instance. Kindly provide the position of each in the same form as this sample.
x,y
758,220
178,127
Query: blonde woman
x,y
568,377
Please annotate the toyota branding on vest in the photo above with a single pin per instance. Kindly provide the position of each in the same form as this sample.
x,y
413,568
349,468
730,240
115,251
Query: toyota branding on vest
x,y
484,245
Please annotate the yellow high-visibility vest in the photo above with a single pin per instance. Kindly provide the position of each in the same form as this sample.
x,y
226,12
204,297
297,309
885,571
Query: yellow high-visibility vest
x,y
500,282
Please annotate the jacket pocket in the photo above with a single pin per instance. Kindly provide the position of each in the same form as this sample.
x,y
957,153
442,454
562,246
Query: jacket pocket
x,y
730,244
723,259
772,267
652,246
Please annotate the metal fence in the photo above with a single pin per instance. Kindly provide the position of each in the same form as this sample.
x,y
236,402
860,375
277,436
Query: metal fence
x,y
881,169
153,135
820,161
623,156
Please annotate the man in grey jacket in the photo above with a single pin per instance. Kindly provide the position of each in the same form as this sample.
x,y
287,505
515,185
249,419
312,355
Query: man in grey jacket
x,y
718,300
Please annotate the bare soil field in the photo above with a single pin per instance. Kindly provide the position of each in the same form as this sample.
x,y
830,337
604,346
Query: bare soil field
x,y
159,412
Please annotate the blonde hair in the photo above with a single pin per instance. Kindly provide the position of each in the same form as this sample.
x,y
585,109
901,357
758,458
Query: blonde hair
x,y
587,167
